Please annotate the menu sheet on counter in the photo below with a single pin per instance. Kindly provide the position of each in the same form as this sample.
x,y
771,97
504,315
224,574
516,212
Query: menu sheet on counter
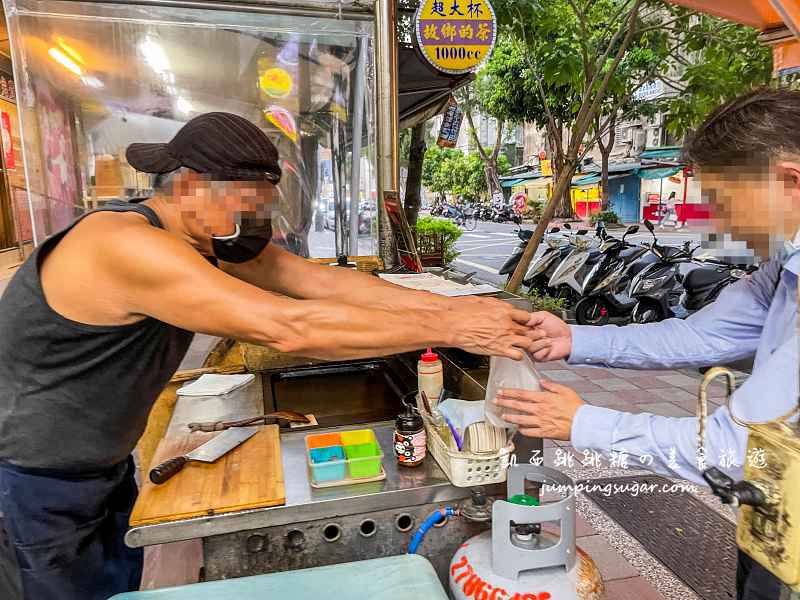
x,y
429,282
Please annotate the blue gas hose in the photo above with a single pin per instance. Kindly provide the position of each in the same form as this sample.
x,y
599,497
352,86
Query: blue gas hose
x,y
433,519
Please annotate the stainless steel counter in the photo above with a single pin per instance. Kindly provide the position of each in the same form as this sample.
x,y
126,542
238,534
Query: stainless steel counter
x,y
402,486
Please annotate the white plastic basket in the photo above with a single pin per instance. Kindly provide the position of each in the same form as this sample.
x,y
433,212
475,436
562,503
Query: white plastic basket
x,y
466,469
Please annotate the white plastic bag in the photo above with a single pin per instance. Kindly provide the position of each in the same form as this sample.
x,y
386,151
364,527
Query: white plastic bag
x,y
506,373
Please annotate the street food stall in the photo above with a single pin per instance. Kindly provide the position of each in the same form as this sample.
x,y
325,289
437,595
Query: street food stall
x,y
330,82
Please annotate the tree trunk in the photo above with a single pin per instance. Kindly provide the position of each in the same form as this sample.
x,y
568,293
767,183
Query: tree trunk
x,y
605,153
492,178
604,180
416,155
563,204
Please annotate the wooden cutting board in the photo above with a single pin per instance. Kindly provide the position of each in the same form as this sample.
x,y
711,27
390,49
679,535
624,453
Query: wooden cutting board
x,y
249,476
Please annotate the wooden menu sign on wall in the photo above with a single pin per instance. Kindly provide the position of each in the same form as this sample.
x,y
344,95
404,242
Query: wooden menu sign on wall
x,y
406,248
8,90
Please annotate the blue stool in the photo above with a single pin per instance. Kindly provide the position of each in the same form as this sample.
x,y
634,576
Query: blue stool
x,y
404,576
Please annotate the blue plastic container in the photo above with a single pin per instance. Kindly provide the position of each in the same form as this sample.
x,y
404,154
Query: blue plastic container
x,y
328,464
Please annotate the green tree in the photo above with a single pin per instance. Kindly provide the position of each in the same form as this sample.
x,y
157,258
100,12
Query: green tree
x,y
439,168
582,48
726,60
468,102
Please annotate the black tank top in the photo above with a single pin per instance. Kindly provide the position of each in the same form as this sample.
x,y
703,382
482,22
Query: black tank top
x,y
75,397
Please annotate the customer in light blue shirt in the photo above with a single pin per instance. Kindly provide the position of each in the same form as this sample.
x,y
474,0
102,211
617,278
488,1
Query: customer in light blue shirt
x,y
747,157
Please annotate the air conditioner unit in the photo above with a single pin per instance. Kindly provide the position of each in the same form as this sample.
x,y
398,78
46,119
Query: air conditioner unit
x,y
638,141
655,136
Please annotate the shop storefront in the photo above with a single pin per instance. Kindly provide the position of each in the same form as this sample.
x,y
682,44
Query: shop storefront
x,y
657,185
97,77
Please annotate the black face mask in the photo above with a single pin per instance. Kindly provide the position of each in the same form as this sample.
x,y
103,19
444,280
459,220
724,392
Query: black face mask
x,y
253,236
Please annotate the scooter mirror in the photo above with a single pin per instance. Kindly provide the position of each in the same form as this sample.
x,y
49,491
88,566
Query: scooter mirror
x,y
583,231
649,226
632,229
555,230
567,226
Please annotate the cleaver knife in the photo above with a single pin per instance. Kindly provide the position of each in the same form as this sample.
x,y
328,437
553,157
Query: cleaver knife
x,y
208,452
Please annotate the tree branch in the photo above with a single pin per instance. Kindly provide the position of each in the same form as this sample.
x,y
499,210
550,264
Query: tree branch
x,y
584,36
676,85
601,61
474,134
498,141
586,112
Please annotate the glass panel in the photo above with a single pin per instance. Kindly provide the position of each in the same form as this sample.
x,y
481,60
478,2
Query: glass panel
x,y
97,77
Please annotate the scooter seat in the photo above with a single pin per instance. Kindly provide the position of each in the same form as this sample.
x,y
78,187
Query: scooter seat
x,y
628,253
525,235
699,279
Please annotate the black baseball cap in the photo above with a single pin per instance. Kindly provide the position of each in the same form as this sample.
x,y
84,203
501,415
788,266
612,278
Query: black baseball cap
x,y
225,146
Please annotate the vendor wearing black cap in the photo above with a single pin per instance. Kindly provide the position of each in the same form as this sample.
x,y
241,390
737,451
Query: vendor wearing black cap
x,y
97,320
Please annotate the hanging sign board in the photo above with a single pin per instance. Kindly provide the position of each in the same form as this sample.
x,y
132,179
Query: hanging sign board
x,y
456,36
547,168
451,125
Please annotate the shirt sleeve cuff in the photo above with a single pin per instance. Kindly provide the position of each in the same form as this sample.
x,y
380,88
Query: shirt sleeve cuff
x,y
593,428
588,343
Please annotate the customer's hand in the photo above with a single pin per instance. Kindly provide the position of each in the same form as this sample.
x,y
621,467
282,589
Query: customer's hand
x,y
553,337
547,414
490,326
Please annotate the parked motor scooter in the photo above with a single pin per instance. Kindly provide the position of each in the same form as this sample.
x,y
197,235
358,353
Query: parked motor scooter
x,y
662,292
512,261
544,265
568,276
603,287
503,213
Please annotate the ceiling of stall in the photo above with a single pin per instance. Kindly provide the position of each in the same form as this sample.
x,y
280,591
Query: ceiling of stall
x,y
166,70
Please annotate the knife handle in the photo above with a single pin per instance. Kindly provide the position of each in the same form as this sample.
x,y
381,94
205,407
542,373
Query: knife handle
x,y
167,469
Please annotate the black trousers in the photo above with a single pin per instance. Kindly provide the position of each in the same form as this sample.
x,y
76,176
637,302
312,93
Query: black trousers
x,y
754,582
67,532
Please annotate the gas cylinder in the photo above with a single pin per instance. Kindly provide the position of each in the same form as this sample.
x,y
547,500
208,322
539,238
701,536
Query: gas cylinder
x,y
516,559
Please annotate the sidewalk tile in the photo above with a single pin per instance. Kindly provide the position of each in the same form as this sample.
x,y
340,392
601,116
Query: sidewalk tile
x,y
616,384
600,398
691,405
665,409
637,396
717,392
553,365
563,376
648,382
583,386
594,373
634,588
674,394
582,527
612,566
677,379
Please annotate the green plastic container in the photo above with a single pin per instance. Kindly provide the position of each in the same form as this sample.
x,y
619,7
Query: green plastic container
x,y
363,453
362,457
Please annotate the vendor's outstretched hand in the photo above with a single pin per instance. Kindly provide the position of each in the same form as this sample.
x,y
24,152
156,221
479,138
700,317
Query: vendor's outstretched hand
x,y
547,414
493,327
552,337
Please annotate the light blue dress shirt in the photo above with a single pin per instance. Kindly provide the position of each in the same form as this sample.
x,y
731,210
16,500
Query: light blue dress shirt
x,y
754,316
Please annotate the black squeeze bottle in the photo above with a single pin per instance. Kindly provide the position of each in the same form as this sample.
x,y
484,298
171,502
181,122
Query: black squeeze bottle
x,y
409,438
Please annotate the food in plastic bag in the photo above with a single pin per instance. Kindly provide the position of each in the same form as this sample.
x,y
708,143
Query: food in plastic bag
x,y
506,373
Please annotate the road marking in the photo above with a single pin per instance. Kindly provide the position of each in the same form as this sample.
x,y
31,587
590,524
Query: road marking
x,y
475,265
473,248
476,235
